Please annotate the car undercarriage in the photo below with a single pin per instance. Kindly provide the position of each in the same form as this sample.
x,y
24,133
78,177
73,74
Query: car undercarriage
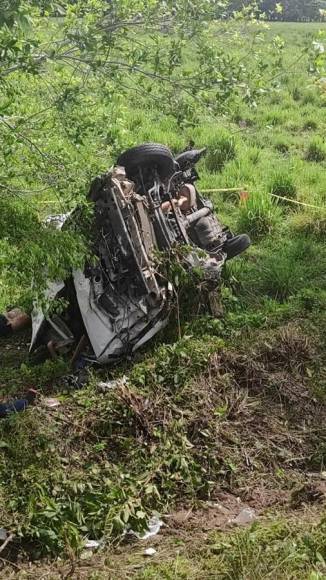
x,y
144,207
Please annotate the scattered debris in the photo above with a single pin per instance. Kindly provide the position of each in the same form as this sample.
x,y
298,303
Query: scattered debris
x,y
3,534
318,47
51,403
92,544
308,493
89,547
109,385
17,405
246,516
154,526
149,552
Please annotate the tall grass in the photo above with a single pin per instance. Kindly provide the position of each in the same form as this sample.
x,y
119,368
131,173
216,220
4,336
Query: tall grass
x,y
258,215
316,150
220,149
282,184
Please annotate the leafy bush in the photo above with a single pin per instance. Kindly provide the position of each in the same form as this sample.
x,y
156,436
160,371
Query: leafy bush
x,y
259,214
28,249
220,149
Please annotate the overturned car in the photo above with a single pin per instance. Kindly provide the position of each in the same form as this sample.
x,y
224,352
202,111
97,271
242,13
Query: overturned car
x,y
148,203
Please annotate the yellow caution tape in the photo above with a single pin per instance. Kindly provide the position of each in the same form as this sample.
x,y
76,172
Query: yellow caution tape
x,y
234,189
298,202
243,189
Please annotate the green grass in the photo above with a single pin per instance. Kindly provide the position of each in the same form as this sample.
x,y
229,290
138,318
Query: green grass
x,y
316,150
288,551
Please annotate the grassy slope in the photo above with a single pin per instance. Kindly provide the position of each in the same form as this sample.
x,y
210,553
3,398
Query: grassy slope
x,y
236,407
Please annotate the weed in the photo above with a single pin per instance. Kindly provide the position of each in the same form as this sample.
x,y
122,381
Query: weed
x,y
217,404
254,154
291,551
310,125
310,223
282,146
221,149
296,94
282,184
316,150
309,97
258,215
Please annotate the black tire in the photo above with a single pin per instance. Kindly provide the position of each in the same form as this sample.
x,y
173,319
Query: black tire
x,y
236,245
148,155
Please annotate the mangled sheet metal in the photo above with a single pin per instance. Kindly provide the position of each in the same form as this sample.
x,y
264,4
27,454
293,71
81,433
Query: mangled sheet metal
x,y
146,204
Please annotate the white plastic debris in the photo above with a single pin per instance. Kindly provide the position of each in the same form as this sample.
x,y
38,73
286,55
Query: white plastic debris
x,y
102,386
318,47
3,534
246,516
109,385
154,526
51,403
323,474
149,552
91,544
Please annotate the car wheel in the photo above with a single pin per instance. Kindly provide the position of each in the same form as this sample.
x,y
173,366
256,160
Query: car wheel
x,y
148,155
236,245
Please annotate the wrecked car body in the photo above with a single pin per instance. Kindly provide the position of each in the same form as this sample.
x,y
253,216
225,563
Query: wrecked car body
x,y
147,204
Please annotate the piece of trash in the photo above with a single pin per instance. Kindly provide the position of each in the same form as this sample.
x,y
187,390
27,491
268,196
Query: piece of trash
x,y
86,555
323,474
149,552
154,526
244,195
51,403
246,516
108,385
318,47
92,544
3,534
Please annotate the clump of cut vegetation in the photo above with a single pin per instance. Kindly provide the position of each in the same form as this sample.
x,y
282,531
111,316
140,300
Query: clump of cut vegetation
x,y
181,406
221,148
316,150
282,184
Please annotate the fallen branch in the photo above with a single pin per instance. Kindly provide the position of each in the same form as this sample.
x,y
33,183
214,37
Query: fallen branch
x,y
6,542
